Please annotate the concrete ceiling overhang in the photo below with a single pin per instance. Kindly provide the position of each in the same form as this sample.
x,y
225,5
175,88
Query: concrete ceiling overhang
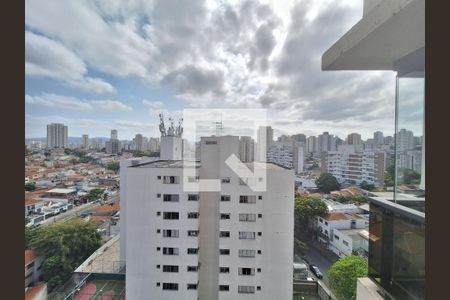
x,y
387,33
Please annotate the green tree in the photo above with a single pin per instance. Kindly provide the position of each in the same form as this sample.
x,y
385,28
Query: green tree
x,y
307,207
360,198
367,186
29,187
327,183
300,247
113,166
344,273
411,176
64,247
95,194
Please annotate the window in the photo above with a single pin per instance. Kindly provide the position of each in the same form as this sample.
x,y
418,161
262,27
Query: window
x,y
210,142
158,284
224,216
191,286
192,268
247,217
158,248
247,235
170,269
192,197
170,233
192,233
224,234
345,243
224,270
192,250
246,253
259,251
170,286
326,223
224,251
171,198
260,216
246,271
258,288
336,237
171,179
259,197
224,287
170,251
260,233
225,198
247,199
158,195
193,178
171,215
158,266
192,215
226,180
246,289
158,213
320,220
30,265
158,177
259,270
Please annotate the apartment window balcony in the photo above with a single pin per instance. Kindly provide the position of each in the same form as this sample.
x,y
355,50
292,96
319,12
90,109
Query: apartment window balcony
x,y
226,180
192,268
224,216
192,197
224,288
171,198
247,235
192,215
171,179
224,251
247,217
224,270
225,198
224,234
247,199
191,286
246,271
169,286
170,251
192,250
246,289
170,269
171,215
192,179
170,233
192,233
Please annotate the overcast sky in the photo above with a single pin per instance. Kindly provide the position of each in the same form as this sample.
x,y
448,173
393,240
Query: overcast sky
x,y
111,64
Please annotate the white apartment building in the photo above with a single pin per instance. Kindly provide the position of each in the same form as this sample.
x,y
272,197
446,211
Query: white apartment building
x,y
231,244
246,149
57,136
311,144
354,139
378,137
264,140
351,165
289,154
405,140
85,141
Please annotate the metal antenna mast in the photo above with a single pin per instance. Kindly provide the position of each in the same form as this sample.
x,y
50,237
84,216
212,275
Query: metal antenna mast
x,y
219,127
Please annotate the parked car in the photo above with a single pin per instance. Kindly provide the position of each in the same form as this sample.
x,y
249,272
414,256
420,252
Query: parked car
x,y
316,271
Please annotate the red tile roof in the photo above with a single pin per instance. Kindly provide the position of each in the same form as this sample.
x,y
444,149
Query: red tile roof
x,y
335,217
107,208
34,291
30,255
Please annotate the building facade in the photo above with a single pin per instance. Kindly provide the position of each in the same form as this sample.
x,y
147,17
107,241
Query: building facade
x,y
228,244
57,136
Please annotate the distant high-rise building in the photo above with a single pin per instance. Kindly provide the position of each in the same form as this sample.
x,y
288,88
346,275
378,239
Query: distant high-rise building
x,y
57,136
246,149
311,144
85,141
326,142
113,146
264,141
354,139
405,140
114,135
378,137
138,142
154,144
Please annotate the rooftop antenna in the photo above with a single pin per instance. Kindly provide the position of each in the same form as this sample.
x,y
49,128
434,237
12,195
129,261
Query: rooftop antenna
x,y
219,127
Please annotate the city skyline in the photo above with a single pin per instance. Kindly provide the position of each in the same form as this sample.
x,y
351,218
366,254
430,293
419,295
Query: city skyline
x,y
274,66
